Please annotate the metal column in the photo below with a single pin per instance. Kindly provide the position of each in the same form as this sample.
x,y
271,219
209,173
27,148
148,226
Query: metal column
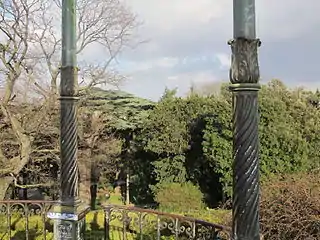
x,y
68,107
69,215
244,78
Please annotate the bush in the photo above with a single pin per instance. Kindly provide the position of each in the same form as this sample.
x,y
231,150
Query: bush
x,y
217,216
290,208
179,197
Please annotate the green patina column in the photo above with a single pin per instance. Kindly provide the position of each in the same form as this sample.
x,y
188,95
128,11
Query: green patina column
x,y
69,214
244,77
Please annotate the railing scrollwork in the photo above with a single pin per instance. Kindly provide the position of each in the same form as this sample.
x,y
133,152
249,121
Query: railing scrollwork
x,y
150,224
28,220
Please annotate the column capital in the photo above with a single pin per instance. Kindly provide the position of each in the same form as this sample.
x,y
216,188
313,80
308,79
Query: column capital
x,y
244,60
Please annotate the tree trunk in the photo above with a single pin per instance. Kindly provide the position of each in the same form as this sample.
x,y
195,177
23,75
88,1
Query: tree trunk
x,y
93,193
128,190
94,180
4,185
16,164
117,189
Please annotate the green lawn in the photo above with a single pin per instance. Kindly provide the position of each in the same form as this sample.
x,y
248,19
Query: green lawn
x,y
94,228
95,224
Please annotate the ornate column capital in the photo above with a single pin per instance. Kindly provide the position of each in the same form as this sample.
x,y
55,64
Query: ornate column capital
x,y
244,61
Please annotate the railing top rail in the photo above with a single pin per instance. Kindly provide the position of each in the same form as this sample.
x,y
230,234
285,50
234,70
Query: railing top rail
x,y
180,217
128,208
27,201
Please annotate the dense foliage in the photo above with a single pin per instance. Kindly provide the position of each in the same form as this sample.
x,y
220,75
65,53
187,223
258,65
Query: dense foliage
x,y
179,197
190,138
176,152
176,140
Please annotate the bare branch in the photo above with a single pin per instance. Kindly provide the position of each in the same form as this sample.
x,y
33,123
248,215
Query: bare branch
x,y
15,182
14,26
98,74
108,23
30,51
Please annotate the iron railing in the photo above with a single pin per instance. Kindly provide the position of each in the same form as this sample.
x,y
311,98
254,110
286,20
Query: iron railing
x,y
137,223
27,220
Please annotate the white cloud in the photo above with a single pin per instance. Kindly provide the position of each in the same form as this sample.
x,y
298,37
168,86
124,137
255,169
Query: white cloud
x,y
184,81
167,62
150,65
192,77
173,14
224,60
287,18
139,66
307,85
190,36
174,24
273,16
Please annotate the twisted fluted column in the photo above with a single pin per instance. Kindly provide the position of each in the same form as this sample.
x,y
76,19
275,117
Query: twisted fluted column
x,y
244,77
69,177
69,214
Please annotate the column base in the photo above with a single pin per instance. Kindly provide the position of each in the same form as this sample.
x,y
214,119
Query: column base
x,y
69,221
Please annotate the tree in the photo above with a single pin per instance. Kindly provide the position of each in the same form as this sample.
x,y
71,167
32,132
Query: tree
x,y
29,53
106,25
15,28
109,120
174,134
190,139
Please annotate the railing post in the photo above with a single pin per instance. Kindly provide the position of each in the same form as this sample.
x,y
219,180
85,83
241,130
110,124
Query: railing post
x,y
70,214
124,223
176,228
158,228
244,77
107,219
8,212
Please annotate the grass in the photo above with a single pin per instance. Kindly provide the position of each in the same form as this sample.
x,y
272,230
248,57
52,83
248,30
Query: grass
x,y
94,227
95,224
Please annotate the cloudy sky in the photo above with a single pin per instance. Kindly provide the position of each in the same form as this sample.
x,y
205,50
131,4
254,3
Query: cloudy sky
x,y
187,44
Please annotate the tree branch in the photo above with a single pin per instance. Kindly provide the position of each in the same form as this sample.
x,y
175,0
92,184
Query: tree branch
x,y
15,182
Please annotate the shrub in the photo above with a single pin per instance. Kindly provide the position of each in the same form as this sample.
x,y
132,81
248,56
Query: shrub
x,y
179,197
290,207
217,216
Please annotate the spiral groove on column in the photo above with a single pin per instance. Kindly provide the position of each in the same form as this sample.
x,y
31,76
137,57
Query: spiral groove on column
x,y
244,76
69,147
246,165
